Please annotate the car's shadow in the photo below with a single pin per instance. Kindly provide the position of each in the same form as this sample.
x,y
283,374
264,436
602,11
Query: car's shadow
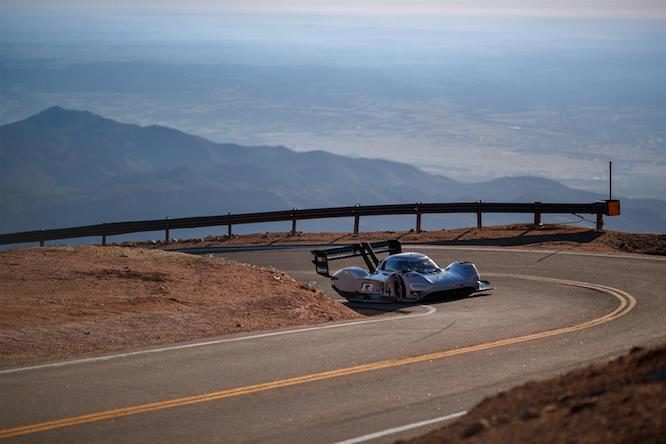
x,y
455,296
380,308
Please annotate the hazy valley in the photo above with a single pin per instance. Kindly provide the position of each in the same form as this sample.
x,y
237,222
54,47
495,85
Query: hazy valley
x,y
470,99
63,168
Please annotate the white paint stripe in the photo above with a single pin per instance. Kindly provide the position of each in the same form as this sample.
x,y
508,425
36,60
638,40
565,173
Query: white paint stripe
x,y
643,257
404,428
428,311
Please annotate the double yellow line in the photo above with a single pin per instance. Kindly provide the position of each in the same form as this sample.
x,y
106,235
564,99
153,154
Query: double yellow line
x,y
627,302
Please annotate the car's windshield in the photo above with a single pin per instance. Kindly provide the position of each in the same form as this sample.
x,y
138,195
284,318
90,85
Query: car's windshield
x,y
420,265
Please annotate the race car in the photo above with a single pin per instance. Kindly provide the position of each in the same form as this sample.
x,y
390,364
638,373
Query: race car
x,y
401,277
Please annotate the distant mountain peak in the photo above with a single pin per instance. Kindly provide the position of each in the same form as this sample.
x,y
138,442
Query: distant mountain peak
x,y
59,116
529,181
53,109
57,110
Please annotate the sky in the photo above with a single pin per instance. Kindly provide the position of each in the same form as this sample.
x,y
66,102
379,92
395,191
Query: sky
x,y
551,8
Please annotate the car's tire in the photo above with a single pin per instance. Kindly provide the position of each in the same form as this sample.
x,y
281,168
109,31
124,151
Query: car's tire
x,y
399,288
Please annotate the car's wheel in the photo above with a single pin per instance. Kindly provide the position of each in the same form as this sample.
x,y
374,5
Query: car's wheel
x,y
399,288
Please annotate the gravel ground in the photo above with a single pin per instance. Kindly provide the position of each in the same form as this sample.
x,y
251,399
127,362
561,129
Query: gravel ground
x,y
64,302
617,402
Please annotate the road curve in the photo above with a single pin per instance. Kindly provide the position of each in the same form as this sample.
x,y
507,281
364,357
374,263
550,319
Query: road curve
x,y
549,313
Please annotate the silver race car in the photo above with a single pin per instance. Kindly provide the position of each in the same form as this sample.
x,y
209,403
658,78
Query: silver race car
x,y
401,277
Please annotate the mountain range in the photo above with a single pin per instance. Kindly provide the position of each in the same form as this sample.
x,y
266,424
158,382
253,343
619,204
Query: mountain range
x,y
65,168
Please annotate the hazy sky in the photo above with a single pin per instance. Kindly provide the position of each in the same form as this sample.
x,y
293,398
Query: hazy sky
x,y
551,8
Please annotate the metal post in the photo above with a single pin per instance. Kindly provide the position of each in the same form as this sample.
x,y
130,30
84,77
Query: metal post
x,y
167,235
41,243
479,222
418,217
293,224
610,180
537,215
229,226
356,220
104,240
600,221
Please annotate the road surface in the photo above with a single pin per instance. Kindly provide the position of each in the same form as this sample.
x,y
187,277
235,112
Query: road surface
x,y
383,379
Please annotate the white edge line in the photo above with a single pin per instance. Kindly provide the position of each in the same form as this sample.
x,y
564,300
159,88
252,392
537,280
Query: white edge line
x,y
403,428
429,310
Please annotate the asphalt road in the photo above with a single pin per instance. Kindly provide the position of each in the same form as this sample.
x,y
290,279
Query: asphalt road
x,y
325,385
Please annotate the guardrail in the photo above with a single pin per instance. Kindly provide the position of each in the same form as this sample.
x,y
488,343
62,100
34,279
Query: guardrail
x,y
599,208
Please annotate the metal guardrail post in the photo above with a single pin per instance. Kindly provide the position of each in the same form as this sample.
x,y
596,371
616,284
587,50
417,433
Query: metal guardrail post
x,y
479,221
600,221
229,233
167,235
293,223
537,215
41,242
418,217
356,220
104,240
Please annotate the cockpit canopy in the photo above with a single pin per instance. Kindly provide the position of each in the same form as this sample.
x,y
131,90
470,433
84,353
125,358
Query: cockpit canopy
x,y
417,262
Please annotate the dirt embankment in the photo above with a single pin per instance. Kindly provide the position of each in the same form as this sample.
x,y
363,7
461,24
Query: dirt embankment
x,y
617,402
64,302
557,237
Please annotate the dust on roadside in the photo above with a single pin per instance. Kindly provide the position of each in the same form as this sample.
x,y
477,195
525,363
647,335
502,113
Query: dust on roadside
x,y
63,302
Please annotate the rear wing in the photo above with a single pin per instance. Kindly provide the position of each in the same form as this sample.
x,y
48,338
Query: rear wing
x,y
368,251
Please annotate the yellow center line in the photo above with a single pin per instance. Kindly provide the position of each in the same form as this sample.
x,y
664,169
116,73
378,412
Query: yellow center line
x,y
627,303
